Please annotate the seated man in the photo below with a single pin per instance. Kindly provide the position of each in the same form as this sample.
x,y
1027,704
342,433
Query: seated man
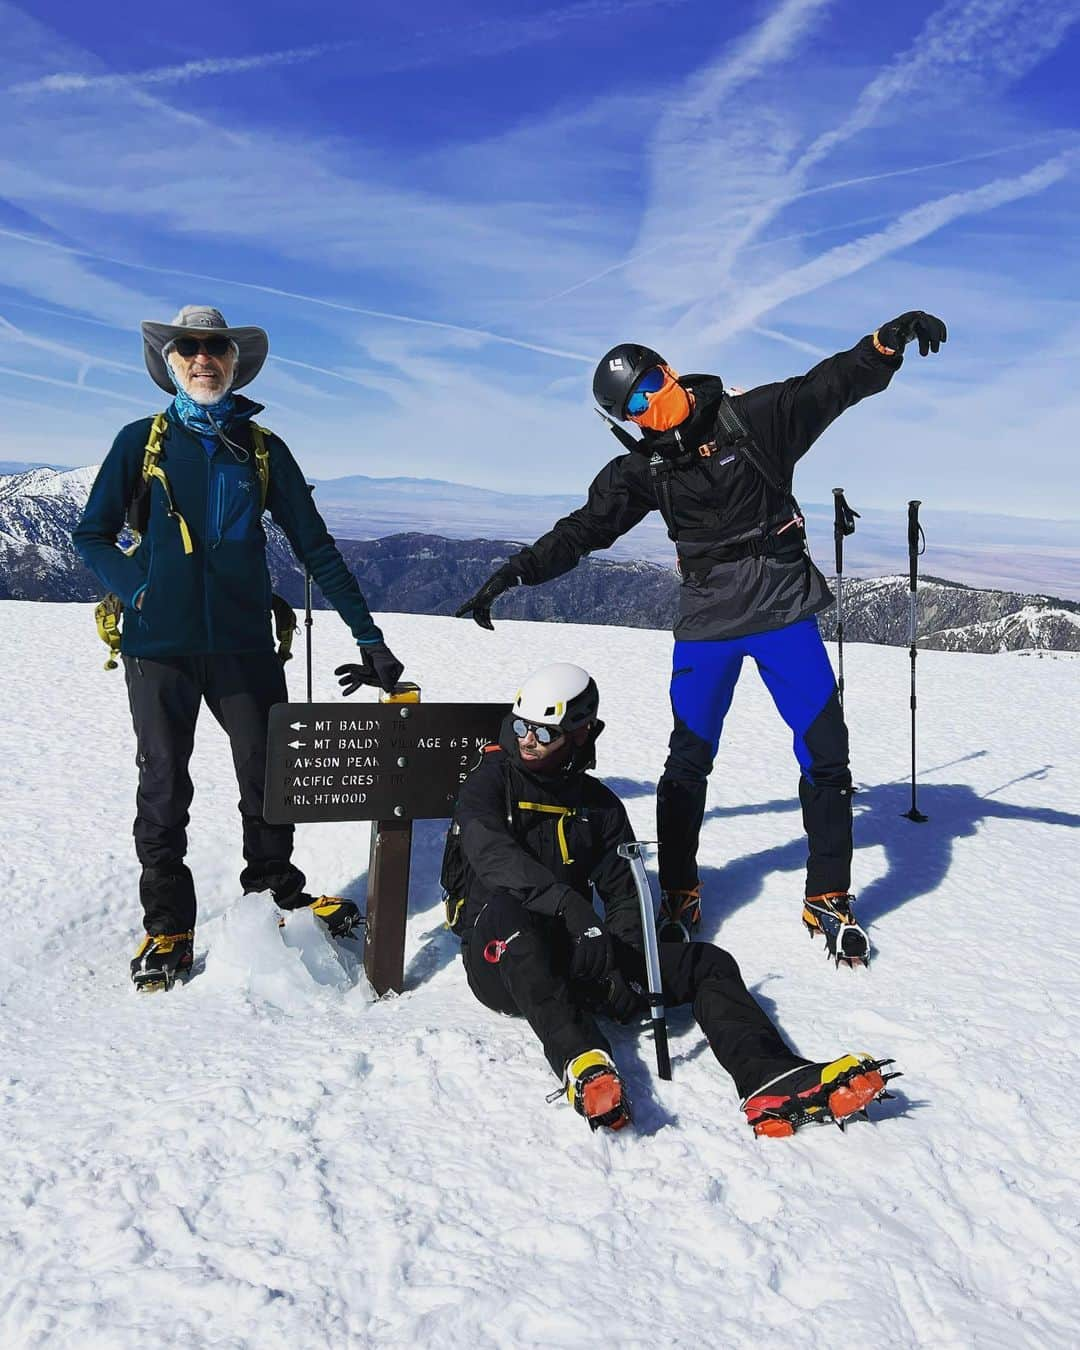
x,y
532,834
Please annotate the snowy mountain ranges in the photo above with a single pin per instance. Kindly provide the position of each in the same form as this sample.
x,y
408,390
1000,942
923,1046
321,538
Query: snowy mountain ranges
x,y
424,572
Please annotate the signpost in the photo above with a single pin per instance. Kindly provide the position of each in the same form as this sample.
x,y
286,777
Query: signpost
x,y
392,763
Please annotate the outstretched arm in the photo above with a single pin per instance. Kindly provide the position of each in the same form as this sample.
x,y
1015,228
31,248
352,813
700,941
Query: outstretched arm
x,y
793,414
618,499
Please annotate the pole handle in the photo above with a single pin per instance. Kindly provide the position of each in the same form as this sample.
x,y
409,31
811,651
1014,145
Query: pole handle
x,y
916,541
844,519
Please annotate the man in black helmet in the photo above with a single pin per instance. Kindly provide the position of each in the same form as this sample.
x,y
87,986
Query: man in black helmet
x,y
719,469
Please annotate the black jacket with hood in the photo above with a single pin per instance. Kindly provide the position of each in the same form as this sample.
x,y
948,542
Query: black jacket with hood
x,y
724,499
542,856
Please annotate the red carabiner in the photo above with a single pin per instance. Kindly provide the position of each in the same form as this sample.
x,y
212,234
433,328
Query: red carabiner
x,y
494,950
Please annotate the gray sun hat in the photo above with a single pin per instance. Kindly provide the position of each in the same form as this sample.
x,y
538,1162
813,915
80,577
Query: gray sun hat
x,y
252,344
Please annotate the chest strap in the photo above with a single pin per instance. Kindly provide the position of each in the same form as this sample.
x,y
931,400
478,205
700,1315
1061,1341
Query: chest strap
x,y
563,812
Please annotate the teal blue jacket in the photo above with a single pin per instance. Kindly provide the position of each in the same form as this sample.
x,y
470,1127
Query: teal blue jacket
x,y
217,598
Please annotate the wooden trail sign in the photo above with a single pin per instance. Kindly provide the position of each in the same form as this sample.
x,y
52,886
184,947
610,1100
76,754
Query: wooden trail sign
x,y
393,762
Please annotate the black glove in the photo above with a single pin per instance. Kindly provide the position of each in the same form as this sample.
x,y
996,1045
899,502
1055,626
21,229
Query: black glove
x,y
897,333
379,667
593,958
480,604
623,1002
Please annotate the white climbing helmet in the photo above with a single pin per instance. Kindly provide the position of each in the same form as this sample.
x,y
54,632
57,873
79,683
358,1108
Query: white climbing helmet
x,y
559,695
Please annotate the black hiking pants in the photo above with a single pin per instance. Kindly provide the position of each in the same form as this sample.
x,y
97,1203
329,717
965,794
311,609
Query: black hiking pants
x,y
165,697
519,963
795,668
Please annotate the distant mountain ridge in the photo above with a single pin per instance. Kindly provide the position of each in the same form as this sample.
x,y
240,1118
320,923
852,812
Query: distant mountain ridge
x,y
425,573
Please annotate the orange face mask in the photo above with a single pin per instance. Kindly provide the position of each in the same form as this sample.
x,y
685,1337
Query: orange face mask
x,y
669,407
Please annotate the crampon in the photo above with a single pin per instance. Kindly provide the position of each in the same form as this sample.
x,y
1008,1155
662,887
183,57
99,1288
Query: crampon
x,y
818,1094
162,958
341,917
680,915
833,915
592,1086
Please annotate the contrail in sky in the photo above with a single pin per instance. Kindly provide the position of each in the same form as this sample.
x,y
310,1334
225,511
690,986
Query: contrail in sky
x,y
482,333
451,42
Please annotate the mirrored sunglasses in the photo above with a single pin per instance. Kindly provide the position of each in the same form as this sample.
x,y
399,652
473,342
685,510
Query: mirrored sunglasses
x,y
215,346
545,735
650,383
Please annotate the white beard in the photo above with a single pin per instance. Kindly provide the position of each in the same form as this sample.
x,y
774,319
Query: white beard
x,y
199,391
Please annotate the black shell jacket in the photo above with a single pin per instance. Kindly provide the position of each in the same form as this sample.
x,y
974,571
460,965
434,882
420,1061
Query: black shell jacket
x,y
523,856
720,505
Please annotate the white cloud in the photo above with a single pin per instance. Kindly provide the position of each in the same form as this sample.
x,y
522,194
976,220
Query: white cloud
x,y
71,82
910,227
962,47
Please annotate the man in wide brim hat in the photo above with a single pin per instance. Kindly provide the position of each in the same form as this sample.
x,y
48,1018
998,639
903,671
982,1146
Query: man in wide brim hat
x,y
252,346
194,482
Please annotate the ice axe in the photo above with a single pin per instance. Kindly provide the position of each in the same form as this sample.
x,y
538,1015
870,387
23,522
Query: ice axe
x,y
632,853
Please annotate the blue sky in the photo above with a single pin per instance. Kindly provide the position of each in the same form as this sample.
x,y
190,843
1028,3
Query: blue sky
x,y
443,217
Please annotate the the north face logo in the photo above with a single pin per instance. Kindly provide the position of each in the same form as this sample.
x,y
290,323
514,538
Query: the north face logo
x,y
615,363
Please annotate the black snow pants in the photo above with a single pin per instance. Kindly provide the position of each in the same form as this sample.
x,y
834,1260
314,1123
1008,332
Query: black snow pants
x,y
795,667
165,697
519,963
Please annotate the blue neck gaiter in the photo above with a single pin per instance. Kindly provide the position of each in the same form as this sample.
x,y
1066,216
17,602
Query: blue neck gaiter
x,y
197,416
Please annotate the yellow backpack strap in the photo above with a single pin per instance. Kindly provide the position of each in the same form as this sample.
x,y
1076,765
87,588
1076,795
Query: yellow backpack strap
x,y
262,461
107,617
152,469
562,812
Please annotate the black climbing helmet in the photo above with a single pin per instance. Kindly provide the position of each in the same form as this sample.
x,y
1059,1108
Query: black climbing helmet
x,y
619,370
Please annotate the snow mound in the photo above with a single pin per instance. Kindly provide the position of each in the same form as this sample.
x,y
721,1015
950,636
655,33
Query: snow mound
x,y
289,967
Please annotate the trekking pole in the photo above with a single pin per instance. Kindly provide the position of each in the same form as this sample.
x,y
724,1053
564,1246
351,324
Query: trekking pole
x,y
632,853
307,628
914,536
307,613
844,519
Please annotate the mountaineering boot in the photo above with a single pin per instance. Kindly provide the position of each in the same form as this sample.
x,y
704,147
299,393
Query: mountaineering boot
x,y
815,1094
339,916
595,1090
160,959
680,915
833,914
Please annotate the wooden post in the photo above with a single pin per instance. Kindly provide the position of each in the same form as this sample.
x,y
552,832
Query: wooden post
x,y
388,886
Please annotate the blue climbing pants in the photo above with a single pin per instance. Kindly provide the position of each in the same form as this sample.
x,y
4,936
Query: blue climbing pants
x,y
795,667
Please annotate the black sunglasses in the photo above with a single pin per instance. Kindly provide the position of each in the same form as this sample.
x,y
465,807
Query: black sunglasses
x,y
545,735
215,346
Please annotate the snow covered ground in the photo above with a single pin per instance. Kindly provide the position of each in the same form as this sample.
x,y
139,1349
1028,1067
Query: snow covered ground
x,y
269,1157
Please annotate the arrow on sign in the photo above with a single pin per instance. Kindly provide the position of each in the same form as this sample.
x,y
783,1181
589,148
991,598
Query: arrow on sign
x,y
298,726
297,745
